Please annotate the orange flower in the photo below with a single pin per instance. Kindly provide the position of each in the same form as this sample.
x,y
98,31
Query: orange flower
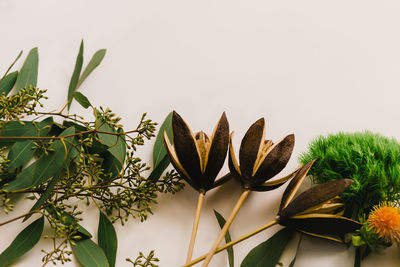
x,y
385,221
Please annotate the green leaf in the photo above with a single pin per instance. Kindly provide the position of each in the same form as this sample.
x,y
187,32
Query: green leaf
x,y
10,67
15,128
116,143
8,82
267,254
110,165
159,151
75,75
89,254
21,152
68,221
82,99
44,196
24,241
158,171
221,222
107,238
94,62
29,71
160,155
45,167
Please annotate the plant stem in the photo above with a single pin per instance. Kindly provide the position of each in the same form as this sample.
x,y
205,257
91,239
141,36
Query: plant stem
x,y
19,217
195,226
232,243
226,227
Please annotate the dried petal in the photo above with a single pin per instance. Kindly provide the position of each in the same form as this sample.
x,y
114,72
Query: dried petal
x,y
315,196
185,147
217,150
275,160
250,146
323,224
294,185
232,162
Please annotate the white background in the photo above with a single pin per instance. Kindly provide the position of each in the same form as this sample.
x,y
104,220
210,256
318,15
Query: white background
x,y
308,67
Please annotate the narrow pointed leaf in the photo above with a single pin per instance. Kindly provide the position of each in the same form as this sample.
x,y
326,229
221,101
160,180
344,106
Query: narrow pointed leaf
x,y
93,63
24,241
89,254
21,152
68,221
110,165
159,151
44,196
81,99
45,167
29,71
158,171
268,253
297,251
15,128
75,74
8,82
10,67
116,143
221,222
316,195
107,239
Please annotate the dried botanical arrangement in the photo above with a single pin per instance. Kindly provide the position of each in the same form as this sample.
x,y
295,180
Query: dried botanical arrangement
x,y
61,161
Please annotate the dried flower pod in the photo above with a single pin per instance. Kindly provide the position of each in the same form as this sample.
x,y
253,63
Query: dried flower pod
x,y
314,211
197,157
260,159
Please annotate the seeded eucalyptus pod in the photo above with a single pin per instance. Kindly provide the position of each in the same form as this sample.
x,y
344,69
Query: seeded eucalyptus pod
x,y
316,210
260,159
198,158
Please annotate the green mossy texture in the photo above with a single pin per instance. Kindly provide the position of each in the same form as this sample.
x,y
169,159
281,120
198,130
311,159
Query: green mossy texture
x,y
371,160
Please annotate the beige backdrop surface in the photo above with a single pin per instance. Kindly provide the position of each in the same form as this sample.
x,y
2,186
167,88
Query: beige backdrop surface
x,y
308,67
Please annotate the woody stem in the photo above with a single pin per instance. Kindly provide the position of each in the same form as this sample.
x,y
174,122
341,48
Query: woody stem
x,y
226,226
232,243
195,226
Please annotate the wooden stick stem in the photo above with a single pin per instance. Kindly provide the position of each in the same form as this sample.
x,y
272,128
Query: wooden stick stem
x,y
226,227
232,243
195,226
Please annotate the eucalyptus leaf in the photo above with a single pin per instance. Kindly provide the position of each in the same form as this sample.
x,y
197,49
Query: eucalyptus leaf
x,y
45,167
89,254
159,151
268,253
21,152
116,143
8,82
160,155
24,241
221,222
93,63
110,165
107,239
29,71
158,171
68,221
10,67
43,197
75,75
81,99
